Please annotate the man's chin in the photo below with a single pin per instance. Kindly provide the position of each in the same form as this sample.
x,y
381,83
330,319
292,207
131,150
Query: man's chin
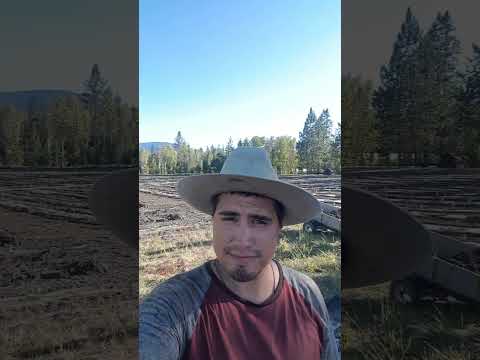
x,y
241,274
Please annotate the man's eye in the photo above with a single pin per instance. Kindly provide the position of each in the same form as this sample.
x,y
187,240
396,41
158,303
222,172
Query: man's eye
x,y
228,218
260,221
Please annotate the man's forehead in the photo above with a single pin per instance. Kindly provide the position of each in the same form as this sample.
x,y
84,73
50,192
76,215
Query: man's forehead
x,y
254,200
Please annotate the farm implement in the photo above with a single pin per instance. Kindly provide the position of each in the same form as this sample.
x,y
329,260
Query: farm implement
x,y
453,269
445,203
328,220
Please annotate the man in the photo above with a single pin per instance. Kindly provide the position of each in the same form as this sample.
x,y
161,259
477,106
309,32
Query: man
x,y
243,304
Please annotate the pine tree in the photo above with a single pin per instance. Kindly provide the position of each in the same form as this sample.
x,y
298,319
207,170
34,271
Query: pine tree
x,y
336,150
395,99
183,154
321,139
305,142
92,96
179,140
108,123
217,163
359,135
11,142
446,87
257,141
229,148
468,121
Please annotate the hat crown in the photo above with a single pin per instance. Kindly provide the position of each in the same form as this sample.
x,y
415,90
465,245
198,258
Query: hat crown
x,y
249,161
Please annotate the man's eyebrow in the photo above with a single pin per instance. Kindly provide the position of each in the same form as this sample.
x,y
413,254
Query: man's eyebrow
x,y
228,213
262,217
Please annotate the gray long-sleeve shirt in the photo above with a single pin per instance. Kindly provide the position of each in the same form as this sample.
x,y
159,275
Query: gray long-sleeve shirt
x,y
194,316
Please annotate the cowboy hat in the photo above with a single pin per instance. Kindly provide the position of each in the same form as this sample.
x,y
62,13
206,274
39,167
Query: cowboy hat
x,y
248,169
114,202
380,242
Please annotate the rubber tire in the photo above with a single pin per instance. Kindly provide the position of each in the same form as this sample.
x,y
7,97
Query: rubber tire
x,y
404,291
308,227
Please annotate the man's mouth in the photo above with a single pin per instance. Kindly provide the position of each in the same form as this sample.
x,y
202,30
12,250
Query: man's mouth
x,y
242,256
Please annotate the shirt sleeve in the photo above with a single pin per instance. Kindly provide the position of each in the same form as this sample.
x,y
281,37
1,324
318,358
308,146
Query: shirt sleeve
x,y
330,348
313,296
169,313
158,336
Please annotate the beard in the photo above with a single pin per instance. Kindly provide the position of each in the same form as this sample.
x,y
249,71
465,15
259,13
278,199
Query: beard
x,y
241,274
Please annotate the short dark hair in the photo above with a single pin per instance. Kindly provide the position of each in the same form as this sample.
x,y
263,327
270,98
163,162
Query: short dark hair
x,y
279,208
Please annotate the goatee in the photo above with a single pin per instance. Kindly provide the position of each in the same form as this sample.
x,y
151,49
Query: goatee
x,y
241,274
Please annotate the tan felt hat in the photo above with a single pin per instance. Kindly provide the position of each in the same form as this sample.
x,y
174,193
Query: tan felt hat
x,y
248,169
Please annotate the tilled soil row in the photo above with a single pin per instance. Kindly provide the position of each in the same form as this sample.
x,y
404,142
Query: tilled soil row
x,y
162,210
445,202
67,285
53,195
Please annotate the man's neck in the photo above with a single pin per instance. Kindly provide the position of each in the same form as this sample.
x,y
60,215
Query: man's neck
x,y
257,290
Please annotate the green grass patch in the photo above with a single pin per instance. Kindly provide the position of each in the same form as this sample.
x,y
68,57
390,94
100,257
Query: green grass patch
x,y
316,255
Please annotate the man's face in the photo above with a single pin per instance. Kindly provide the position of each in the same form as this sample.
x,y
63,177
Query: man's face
x,y
245,234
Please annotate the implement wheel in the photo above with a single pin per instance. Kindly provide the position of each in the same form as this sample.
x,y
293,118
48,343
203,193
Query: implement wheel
x,y
404,291
309,227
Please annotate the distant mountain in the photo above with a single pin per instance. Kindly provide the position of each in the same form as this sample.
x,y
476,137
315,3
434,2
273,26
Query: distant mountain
x,y
155,146
37,100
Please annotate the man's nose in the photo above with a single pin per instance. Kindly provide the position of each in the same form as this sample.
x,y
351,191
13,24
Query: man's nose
x,y
244,233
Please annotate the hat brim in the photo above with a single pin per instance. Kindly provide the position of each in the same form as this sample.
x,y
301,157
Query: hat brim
x,y
198,190
380,242
114,202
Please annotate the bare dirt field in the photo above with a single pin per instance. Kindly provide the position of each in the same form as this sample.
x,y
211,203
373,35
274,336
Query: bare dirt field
x,y
447,202
162,211
68,288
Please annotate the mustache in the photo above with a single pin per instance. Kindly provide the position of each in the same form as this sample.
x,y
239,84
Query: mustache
x,y
245,252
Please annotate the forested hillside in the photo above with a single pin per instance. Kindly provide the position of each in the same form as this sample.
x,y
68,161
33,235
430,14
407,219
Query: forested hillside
x,y
63,129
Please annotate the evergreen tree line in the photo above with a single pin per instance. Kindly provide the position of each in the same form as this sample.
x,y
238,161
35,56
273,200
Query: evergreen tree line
x,y
426,107
89,129
316,151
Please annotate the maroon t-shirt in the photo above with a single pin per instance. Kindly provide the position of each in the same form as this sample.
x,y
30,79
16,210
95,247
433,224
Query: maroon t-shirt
x,y
211,322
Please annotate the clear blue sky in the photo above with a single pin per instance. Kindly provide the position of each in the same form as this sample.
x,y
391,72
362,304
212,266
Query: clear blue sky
x,y
214,69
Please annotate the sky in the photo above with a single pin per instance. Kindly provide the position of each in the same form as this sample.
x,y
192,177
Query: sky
x,y
215,69
368,36
53,44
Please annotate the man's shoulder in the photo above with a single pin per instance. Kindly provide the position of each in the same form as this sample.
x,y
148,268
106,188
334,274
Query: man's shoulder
x,y
310,292
168,314
307,288
298,280
185,290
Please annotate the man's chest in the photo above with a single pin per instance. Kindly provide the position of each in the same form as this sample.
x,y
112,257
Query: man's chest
x,y
283,330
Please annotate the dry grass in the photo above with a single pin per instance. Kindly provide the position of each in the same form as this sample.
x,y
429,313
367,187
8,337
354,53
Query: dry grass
x,y
77,330
375,328
316,255
160,259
